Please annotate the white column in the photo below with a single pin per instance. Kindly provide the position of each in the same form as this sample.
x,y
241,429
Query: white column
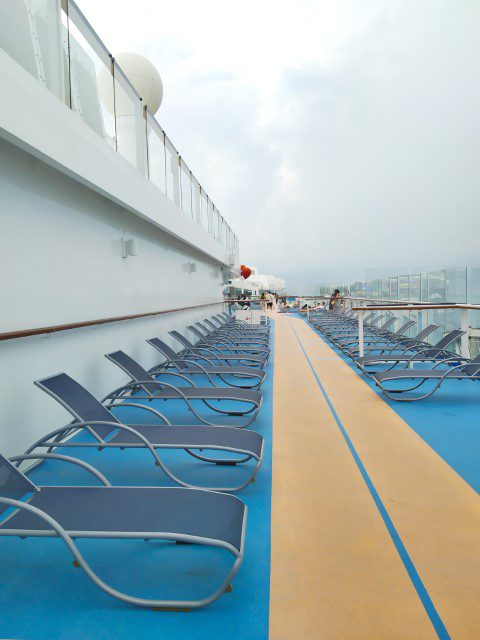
x,y
360,333
464,346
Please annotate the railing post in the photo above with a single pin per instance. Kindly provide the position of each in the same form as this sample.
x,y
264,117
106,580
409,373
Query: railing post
x,y
360,333
424,318
464,342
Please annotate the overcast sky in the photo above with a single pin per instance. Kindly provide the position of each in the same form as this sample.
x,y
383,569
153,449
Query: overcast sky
x,y
333,135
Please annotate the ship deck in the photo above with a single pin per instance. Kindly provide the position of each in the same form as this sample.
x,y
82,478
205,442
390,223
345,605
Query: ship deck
x,y
364,523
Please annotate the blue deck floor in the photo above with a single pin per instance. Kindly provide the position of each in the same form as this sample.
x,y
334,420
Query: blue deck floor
x,y
44,596
448,421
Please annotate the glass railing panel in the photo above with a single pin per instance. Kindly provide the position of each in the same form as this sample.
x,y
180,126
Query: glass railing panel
x,y
403,287
385,291
394,288
172,165
156,157
414,288
204,210
210,213
436,286
128,118
196,201
32,33
424,287
216,224
474,316
456,285
436,316
185,189
91,80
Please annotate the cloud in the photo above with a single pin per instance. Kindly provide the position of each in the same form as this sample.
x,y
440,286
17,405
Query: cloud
x,y
333,137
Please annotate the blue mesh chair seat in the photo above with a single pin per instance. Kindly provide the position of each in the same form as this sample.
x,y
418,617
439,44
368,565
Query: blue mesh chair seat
x,y
249,359
183,515
209,358
454,369
93,418
193,436
224,344
174,511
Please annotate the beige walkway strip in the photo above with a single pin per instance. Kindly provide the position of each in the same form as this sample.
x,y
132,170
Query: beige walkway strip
x,y
335,573
436,513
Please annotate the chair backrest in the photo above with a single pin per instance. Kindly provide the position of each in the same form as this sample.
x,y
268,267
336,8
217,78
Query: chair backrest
x,y
375,320
178,336
77,401
387,323
167,351
131,367
404,328
207,330
13,483
472,368
445,342
210,324
420,337
197,332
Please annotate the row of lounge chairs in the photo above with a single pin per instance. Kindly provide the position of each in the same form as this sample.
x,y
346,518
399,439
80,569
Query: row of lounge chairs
x,y
390,357
229,356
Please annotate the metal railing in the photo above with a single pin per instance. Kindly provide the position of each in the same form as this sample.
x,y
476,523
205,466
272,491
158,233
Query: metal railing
x,y
55,42
419,308
446,315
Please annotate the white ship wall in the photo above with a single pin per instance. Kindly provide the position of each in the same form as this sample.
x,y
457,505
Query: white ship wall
x,y
61,262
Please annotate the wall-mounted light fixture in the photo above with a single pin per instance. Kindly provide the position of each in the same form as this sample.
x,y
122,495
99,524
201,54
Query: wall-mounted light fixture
x,y
129,247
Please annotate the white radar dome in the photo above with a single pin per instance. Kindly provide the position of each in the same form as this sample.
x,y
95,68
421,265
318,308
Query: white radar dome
x,y
144,77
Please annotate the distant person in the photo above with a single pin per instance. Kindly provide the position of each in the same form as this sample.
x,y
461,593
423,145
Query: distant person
x,y
246,304
334,298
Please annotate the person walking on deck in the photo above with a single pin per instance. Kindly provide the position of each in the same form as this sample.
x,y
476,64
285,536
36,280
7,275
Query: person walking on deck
x,y
334,300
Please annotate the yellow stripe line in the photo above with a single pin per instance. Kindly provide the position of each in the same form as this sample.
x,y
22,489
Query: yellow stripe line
x,y
436,513
335,572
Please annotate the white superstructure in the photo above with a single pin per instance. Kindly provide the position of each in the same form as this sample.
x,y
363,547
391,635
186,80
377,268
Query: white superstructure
x,y
99,216
257,283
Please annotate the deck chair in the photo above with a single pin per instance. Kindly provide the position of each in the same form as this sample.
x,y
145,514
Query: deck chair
x,y
96,420
216,354
466,370
225,344
240,325
401,343
379,343
142,380
428,353
200,365
370,336
136,513
346,331
233,335
249,329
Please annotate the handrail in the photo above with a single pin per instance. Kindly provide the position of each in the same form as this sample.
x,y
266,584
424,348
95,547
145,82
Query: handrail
x,y
417,307
388,301
464,308
24,333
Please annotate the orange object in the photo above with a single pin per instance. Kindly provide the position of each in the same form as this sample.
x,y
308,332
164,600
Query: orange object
x,y
246,272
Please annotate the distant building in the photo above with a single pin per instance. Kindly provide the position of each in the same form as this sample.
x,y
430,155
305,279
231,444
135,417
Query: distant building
x,y
256,284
